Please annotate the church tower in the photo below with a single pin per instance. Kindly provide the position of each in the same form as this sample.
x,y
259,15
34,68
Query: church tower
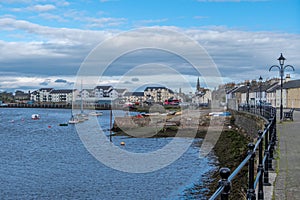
x,y
198,86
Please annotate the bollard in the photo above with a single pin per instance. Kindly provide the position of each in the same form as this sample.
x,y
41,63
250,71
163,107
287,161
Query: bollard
x,y
260,167
225,173
251,190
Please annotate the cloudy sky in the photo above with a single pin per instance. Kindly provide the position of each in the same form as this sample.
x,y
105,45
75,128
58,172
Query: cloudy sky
x,y
43,43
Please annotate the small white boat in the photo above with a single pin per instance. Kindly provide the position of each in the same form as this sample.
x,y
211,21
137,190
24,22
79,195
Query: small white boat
x,y
97,113
74,120
35,116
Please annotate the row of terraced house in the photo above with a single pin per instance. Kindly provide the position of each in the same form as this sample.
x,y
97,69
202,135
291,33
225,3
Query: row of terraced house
x,y
101,94
254,92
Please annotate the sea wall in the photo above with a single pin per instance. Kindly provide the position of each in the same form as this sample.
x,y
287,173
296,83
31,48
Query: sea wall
x,y
248,122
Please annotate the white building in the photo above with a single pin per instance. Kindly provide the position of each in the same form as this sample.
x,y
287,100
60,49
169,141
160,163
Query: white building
x,y
41,95
61,96
157,94
134,97
52,95
103,91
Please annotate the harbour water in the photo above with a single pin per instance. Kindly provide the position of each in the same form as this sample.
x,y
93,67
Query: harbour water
x,y
41,160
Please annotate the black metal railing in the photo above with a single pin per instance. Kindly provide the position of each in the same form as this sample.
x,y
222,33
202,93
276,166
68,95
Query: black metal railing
x,y
265,146
265,111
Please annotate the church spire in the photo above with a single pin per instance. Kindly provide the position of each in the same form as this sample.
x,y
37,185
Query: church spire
x,y
198,85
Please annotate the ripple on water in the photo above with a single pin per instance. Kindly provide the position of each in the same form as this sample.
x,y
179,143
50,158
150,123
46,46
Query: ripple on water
x,y
41,160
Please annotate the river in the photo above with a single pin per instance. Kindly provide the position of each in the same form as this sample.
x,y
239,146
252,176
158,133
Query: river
x,y
41,160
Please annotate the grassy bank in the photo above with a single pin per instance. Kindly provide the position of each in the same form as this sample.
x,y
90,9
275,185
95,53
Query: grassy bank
x,y
230,150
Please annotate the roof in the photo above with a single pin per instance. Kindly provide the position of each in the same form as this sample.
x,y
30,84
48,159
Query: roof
x,y
47,89
103,87
157,88
120,90
66,91
273,87
35,92
88,90
265,87
232,90
291,84
242,89
137,94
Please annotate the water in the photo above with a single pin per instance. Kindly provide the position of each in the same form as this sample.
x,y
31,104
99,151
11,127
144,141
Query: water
x,y
41,160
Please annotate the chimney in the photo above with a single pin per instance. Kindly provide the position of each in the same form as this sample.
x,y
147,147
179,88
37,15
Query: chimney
x,y
287,78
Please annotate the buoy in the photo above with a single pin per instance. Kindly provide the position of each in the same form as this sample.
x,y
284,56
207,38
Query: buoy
x,y
49,126
122,143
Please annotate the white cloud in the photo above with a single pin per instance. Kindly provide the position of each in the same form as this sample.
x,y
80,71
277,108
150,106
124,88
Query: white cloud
x,y
49,16
152,21
238,54
35,8
103,22
12,82
42,8
62,3
56,35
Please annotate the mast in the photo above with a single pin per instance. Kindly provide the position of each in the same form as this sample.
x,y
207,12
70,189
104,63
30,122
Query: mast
x,y
81,100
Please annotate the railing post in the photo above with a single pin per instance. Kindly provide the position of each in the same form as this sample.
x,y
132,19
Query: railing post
x,y
260,167
266,164
251,190
271,145
273,141
275,127
225,173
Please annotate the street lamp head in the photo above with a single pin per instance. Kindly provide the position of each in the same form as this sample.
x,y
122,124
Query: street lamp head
x,y
248,85
281,59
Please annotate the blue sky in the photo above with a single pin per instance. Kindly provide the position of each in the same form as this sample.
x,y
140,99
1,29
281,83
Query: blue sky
x,y
42,41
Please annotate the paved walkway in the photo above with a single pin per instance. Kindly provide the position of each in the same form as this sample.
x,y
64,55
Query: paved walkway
x,y
287,183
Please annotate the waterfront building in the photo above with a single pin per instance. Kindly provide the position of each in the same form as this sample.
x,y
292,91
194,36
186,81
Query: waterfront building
x,y
103,91
291,90
61,96
50,95
41,95
270,92
157,94
133,97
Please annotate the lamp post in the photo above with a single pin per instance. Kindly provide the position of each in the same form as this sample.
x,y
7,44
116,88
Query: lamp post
x,y
260,103
247,98
281,68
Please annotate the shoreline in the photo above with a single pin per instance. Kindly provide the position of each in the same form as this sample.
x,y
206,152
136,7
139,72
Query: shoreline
x,y
230,157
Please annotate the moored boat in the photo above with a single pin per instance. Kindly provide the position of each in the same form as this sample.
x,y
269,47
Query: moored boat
x,y
97,113
35,116
73,120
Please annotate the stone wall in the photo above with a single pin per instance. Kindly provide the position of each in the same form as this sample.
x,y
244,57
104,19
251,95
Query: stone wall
x,y
249,122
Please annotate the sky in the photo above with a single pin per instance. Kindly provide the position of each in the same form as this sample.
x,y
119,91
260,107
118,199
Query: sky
x,y
44,43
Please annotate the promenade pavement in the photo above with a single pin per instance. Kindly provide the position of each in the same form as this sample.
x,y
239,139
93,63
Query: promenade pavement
x,y
287,182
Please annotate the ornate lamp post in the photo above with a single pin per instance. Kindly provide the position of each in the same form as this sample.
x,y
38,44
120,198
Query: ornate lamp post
x,y
281,68
260,103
